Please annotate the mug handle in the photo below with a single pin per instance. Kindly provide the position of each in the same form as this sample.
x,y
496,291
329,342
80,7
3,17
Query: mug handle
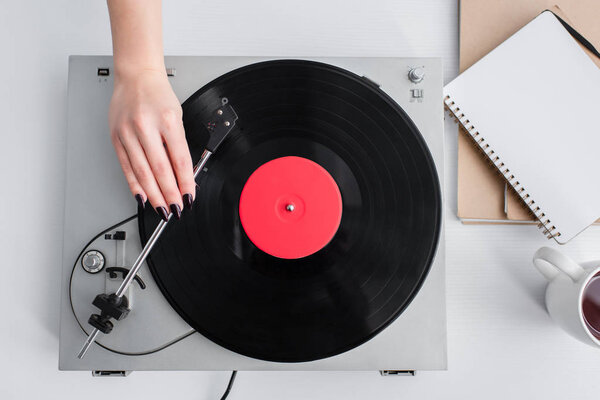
x,y
551,263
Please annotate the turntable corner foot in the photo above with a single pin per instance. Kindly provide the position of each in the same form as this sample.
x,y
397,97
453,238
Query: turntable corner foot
x,y
121,374
395,372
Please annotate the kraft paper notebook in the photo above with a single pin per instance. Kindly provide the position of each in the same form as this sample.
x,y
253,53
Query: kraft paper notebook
x,y
532,105
482,196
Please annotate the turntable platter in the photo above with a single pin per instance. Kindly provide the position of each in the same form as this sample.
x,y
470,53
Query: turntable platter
x,y
373,244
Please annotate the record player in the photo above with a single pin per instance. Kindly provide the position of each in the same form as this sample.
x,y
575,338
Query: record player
x,y
253,278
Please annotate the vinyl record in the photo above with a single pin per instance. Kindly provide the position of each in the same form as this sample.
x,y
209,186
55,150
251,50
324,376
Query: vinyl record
x,y
317,297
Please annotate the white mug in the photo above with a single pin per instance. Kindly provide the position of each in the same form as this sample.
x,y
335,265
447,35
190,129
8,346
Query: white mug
x,y
568,288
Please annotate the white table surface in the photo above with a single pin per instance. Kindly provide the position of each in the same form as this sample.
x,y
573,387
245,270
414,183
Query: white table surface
x,y
501,342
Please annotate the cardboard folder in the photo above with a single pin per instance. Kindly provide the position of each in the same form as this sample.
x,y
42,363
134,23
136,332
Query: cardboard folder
x,y
483,196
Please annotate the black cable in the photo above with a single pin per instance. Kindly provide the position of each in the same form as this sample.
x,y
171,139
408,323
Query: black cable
x,y
229,385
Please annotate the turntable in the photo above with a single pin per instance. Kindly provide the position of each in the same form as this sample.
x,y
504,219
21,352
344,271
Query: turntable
x,y
316,239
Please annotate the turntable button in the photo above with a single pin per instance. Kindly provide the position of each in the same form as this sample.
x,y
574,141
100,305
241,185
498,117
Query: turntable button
x,y
416,74
417,93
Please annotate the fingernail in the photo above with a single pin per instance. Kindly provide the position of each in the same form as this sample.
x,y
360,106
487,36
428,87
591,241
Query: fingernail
x,y
140,200
187,201
163,213
176,211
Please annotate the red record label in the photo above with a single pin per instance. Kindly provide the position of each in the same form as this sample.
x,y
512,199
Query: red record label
x,y
290,207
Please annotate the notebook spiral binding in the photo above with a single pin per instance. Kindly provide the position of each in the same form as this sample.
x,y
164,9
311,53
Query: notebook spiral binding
x,y
549,230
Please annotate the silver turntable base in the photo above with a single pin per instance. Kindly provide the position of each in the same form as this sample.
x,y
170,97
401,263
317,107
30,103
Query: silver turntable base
x,y
98,203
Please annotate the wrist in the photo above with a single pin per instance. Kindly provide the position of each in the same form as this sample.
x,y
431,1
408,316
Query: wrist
x,y
131,71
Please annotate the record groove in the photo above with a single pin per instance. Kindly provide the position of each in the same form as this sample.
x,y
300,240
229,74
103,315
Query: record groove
x,y
295,310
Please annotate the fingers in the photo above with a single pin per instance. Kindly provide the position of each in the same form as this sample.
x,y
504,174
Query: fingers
x,y
159,172
159,162
134,185
181,161
143,172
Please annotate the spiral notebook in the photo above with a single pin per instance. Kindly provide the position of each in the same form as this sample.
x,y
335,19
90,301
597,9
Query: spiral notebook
x,y
533,106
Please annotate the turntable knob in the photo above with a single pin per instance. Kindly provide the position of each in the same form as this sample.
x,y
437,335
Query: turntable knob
x,y
92,261
416,74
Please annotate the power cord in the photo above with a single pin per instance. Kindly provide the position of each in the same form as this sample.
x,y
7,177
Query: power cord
x,y
229,385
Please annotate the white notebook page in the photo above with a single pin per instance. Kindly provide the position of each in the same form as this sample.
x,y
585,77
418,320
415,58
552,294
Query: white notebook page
x,y
535,100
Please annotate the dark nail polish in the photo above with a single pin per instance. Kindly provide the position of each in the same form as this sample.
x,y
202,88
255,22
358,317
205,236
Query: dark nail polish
x,y
188,201
176,211
163,213
140,200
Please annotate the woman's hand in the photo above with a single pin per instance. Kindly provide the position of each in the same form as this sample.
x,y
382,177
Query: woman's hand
x,y
147,132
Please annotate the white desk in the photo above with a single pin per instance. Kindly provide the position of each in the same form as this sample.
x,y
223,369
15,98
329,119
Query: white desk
x,y
501,342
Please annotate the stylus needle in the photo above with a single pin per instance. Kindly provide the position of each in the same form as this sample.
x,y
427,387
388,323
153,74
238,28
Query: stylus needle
x,y
141,258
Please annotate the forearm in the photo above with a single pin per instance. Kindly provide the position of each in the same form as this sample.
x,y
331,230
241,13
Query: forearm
x,y
136,27
145,116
